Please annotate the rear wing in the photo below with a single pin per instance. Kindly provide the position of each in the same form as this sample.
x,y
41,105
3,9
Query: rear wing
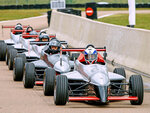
x,y
13,30
44,43
35,36
28,36
38,43
82,49
12,26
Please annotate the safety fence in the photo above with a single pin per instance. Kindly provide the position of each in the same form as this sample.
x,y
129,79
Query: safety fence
x,y
47,6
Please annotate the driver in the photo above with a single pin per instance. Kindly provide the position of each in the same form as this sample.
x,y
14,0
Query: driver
x,y
53,47
91,56
18,27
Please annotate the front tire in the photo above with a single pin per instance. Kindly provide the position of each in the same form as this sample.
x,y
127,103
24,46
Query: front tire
x,y
136,89
18,69
49,82
29,77
61,90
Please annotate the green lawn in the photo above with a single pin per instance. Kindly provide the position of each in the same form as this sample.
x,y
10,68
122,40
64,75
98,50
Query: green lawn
x,y
142,20
19,14
21,2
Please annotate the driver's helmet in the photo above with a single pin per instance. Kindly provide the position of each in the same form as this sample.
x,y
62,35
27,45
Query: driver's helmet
x,y
90,54
18,27
33,33
54,46
44,38
42,32
29,29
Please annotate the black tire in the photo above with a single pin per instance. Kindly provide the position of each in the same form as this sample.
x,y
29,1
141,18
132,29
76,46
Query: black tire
x,y
120,71
18,69
7,53
12,55
74,56
29,77
23,56
61,90
3,47
136,89
49,82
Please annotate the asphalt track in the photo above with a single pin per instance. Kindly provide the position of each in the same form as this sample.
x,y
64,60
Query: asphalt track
x,y
14,98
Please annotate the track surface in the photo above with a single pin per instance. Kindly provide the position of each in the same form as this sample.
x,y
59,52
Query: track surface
x,y
14,98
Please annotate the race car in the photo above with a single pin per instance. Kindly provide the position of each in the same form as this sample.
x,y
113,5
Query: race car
x,y
33,52
49,65
6,45
11,41
91,81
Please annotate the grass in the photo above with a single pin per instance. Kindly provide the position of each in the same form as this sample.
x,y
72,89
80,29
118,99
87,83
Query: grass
x,y
19,14
142,20
21,2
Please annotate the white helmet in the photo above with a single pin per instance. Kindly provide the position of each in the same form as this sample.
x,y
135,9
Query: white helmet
x,y
90,54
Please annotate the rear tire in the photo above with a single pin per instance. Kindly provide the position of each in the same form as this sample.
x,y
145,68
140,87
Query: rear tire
x,y
74,56
61,90
121,72
18,69
3,47
136,89
23,56
29,77
12,55
49,82
7,53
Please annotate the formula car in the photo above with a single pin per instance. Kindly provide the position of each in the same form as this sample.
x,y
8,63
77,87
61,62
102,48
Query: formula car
x,y
92,82
48,67
33,52
6,45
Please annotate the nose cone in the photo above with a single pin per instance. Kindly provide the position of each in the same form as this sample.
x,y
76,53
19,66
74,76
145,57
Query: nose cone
x,y
103,93
62,68
100,79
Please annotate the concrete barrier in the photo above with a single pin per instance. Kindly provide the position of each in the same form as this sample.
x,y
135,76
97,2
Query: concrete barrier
x,y
126,46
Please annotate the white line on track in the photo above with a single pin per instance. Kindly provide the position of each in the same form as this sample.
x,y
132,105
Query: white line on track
x,y
105,15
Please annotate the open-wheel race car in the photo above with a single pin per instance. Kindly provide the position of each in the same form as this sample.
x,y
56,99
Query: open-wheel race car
x,y
32,53
91,81
16,33
49,63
